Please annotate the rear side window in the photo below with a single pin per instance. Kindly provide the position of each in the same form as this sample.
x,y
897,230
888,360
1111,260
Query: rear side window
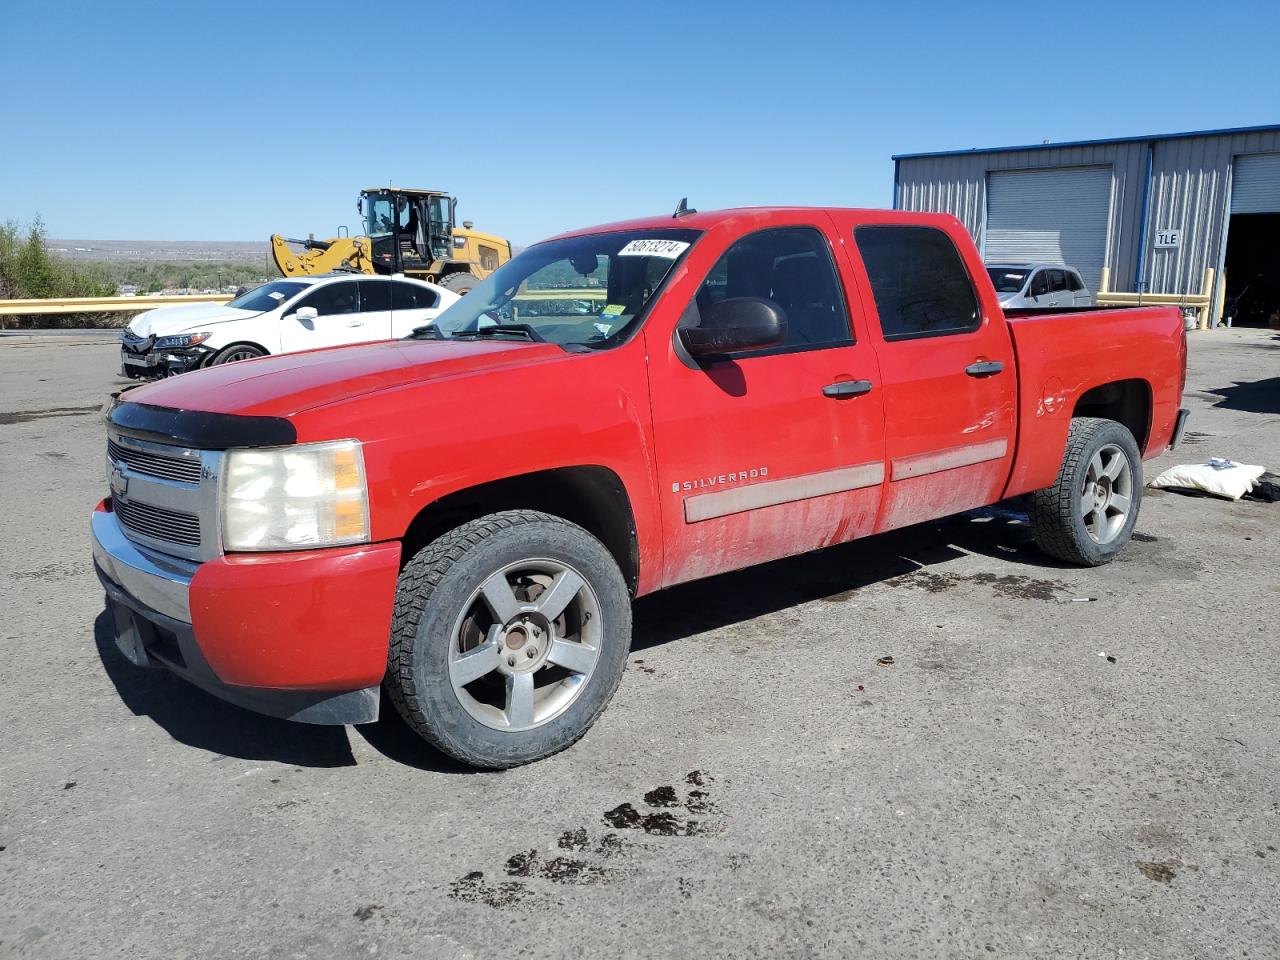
x,y
1073,281
410,296
918,280
375,295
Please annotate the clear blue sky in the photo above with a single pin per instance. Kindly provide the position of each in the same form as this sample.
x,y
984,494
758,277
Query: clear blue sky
x,y
231,120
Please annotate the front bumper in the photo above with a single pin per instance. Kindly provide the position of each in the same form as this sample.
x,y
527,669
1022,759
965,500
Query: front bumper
x,y
161,363
301,636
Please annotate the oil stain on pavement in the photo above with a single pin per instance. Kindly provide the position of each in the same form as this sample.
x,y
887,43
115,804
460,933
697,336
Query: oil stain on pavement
x,y
664,811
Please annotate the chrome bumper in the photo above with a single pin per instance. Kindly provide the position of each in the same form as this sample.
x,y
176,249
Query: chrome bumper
x,y
161,582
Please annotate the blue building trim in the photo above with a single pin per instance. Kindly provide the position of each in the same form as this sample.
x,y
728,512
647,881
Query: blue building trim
x,y
897,185
1225,131
1140,271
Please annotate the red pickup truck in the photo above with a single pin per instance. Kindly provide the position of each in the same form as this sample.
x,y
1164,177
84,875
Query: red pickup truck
x,y
463,517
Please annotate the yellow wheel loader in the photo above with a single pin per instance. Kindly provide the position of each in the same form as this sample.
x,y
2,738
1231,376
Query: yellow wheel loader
x,y
406,231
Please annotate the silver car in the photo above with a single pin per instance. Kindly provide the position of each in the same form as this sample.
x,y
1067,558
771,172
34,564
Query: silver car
x,y
1028,286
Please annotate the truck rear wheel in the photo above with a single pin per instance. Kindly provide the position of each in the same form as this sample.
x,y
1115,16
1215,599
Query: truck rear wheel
x,y
459,283
1088,514
509,638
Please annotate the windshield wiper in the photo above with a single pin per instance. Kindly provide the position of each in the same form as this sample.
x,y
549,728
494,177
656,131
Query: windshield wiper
x,y
502,329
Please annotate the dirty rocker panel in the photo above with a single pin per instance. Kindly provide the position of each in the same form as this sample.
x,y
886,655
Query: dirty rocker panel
x,y
935,461
708,506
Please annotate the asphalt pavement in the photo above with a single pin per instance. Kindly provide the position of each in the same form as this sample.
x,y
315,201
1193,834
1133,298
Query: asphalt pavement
x,y
935,743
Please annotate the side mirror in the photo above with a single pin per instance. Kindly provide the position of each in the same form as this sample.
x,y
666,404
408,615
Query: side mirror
x,y
739,323
306,314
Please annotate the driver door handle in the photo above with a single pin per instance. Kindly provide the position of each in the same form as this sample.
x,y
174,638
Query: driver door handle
x,y
843,389
984,368
355,323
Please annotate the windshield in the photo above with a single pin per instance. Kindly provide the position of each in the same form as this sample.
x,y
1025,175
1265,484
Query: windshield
x,y
380,216
585,291
268,296
1007,280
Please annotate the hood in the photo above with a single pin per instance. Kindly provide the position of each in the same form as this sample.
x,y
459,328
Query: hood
x,y
164,321
284,385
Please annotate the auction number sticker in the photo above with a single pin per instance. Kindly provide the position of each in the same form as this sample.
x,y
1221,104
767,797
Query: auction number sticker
x,y
654,248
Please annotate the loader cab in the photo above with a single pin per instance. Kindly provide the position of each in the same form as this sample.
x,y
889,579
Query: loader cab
x,y
409,230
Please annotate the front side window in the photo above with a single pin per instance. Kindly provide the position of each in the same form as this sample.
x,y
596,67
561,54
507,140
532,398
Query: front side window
x,y
332,299
1039,284
791,266
1057,281
588,291
919,283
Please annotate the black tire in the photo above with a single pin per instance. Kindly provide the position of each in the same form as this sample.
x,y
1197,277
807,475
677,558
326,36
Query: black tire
x,y
438,590
1057,513
236,352
459,283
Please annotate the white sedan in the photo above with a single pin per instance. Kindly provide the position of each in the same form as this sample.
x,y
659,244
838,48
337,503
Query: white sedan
x,y
283,316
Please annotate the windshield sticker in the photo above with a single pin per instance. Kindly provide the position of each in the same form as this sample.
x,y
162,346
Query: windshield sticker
x,y
613,310
654,248
276,295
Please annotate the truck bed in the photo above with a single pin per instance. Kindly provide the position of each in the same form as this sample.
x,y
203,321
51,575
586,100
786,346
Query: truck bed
x,y
1063,354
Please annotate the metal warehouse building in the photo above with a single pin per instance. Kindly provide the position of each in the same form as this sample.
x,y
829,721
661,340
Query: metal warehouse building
x,y
1144,215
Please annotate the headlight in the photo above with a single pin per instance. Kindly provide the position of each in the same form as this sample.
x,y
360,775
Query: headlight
x,y
295,498
181,340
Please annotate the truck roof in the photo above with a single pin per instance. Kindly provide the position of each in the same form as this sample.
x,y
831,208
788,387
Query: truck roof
x,y
705,219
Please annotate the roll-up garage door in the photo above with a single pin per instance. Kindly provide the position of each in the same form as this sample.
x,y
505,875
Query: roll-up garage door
x,y
1255,184
1057,215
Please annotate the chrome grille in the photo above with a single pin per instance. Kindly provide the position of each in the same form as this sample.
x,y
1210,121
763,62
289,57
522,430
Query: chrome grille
x,y
165,496
159,523
182,469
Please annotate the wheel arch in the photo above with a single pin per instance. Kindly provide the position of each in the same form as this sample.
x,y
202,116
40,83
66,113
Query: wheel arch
x,y
236,343
1128,402
593,497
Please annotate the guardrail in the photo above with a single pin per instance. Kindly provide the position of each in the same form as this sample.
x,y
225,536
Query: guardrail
x,y
20,308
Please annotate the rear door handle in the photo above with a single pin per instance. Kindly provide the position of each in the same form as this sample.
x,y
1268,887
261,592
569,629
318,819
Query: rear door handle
x,y
842,389
984,368
355,323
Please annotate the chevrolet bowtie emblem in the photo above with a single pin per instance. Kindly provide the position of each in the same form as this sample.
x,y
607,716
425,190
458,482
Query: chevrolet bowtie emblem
x,y
118,481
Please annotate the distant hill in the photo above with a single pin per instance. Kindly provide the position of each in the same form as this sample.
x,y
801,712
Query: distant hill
x,y
187,251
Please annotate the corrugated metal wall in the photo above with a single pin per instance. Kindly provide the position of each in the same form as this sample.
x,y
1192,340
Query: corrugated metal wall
x,y
1190,191
957,184
1190,188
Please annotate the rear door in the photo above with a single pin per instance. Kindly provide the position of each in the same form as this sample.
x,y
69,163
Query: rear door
x,y
375,309
412,305
1080,297
773,451
947,366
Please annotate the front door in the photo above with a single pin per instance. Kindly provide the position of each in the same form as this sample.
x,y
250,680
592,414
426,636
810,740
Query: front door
x,y
773,451
946,359
338,319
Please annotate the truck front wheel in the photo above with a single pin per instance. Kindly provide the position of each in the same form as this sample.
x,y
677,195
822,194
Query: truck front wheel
x,y
1088,514
509,638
